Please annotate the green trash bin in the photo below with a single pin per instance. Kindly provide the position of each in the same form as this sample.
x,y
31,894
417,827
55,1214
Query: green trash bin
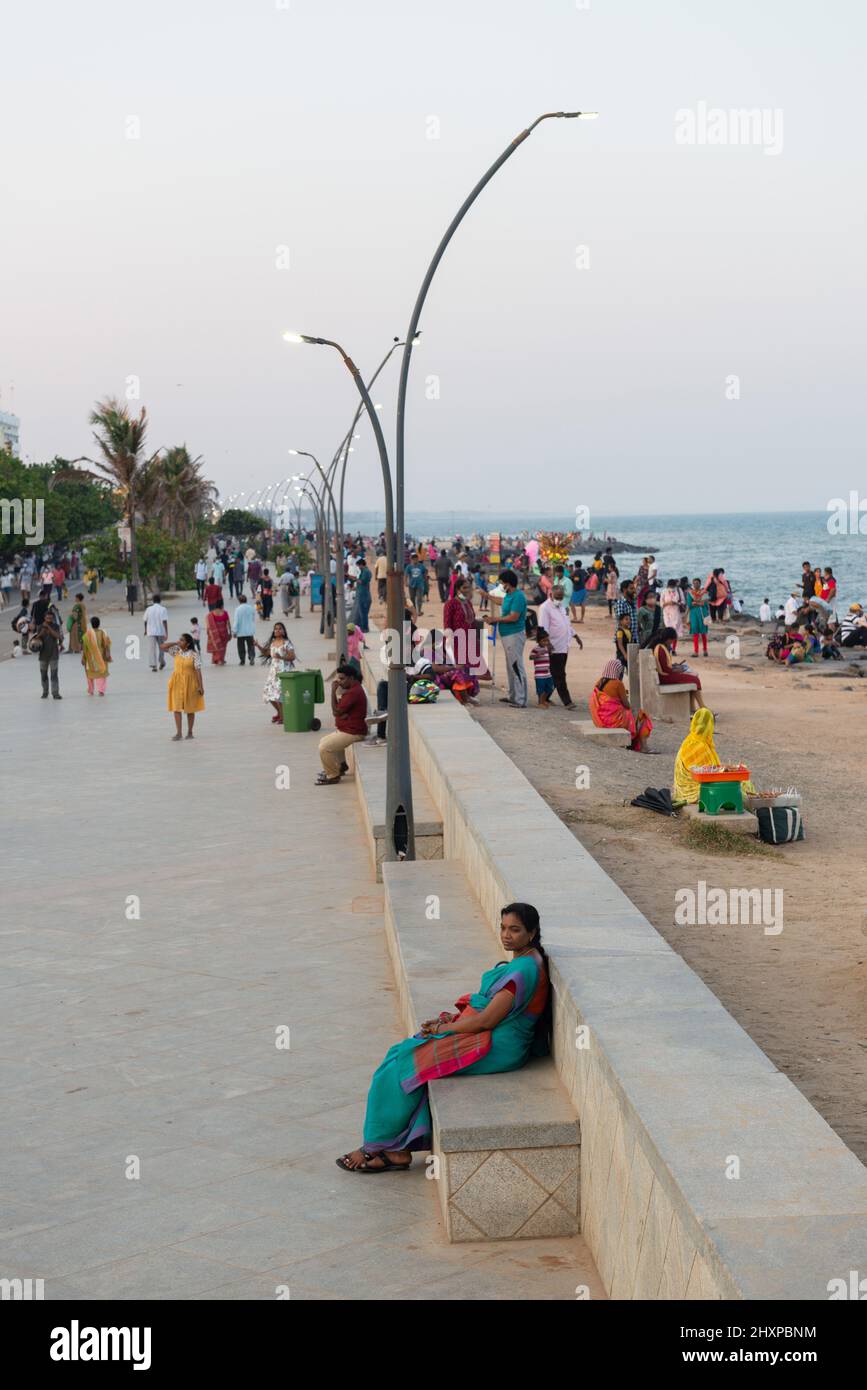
x,y
301,692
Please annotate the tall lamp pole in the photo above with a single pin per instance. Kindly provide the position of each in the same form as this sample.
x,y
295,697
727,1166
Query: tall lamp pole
x,y
400,839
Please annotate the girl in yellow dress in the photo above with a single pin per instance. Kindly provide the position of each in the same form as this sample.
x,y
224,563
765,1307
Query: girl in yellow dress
x,y
186,694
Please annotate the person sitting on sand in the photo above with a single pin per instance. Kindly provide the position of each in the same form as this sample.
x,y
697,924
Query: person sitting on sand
x,y
495,1030
610,708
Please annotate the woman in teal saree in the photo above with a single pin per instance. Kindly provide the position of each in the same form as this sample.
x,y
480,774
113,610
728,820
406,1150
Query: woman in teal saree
x,y
496,1029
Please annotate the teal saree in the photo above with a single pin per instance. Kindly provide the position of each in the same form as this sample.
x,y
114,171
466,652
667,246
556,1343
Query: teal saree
x,y
398,1111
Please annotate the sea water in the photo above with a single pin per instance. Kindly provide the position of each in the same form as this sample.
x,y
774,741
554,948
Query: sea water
x,y
761,552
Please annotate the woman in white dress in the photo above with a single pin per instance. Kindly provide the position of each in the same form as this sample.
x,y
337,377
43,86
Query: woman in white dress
x,y
282,654
673,605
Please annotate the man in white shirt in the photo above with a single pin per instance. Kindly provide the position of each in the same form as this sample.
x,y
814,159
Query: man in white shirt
x,y
793,604
764,611
554,618
156,626
201,574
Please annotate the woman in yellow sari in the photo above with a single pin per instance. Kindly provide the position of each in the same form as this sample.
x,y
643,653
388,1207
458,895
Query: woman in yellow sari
x,y
95,657
697,750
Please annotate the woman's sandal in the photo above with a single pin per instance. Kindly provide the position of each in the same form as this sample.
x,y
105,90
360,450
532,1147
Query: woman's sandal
x,y
388,1164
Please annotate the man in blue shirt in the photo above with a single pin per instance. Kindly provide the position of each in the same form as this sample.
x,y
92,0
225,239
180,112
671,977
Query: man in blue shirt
x,y
245,630
511,620
415,580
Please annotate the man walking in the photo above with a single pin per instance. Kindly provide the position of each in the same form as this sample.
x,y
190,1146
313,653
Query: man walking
x,y
554,618
244,628
201,576
511,621
49,653
443,572
156,627
415,577
380,574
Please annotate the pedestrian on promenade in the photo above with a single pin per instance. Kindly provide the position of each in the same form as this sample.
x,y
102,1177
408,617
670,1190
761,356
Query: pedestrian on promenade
x,y
415,580
349,707
361,611
625,606
497,1029
540,656
219,632
650,620
282,658
218,573
244,628
254,570
443,570
186,691
50,640
76,624
380,574
554,618
195,633
25,583
131,597
511,621
213,594
288,589
95,657
201,576
58,579
266,593
156,628
238,569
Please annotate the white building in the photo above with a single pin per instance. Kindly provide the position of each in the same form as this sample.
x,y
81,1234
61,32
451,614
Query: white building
x,y
9,427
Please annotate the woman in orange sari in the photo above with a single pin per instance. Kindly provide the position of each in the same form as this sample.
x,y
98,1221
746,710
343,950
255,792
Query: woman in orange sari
x,y
219,631
610,709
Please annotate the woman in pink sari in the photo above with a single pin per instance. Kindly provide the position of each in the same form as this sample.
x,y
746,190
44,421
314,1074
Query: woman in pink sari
x,y
219,631
609,707
462,634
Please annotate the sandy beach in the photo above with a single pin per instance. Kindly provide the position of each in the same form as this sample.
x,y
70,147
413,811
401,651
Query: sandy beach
x,y
801,994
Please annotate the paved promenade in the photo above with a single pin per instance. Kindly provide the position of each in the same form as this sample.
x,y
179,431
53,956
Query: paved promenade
x,y
169,914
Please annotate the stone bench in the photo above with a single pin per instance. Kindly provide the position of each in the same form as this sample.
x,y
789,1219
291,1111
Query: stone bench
x,y
506,1147
370,766
667,704
618,738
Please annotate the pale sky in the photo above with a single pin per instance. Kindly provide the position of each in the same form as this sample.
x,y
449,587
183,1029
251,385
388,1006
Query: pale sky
x,y
306,127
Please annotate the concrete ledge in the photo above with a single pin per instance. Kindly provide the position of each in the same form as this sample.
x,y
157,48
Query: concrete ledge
x,y
618,738
370,765
746,824
507,1146
668,1087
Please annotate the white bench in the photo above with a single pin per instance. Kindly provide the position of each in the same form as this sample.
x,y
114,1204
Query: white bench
x,y
666,704
618,738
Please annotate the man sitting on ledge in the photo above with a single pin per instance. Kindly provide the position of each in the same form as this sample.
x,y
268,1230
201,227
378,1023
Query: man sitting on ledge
x,y
349,707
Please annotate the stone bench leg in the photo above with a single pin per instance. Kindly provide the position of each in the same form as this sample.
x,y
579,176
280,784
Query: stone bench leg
x,y
507,1194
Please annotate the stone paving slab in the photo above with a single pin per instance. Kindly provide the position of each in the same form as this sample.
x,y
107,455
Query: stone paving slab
x,y
152,1037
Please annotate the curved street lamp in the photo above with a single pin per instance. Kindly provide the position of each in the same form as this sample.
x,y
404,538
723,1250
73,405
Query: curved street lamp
x,y
400,828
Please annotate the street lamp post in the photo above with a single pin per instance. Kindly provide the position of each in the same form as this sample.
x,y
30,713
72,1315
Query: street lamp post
x,y
339,595
400,838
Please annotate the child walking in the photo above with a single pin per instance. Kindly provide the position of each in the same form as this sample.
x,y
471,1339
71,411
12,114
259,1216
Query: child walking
x,y
541,659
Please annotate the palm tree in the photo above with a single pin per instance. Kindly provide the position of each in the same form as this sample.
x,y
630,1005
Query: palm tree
x,y
187,496
120,438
